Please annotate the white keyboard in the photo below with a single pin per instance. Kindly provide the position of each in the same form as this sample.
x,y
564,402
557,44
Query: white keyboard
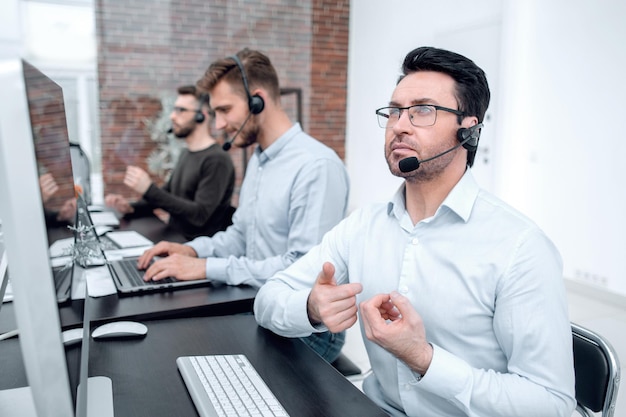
x,y
227,385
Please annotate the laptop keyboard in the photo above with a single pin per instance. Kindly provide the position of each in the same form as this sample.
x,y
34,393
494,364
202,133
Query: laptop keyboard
x,y
233,387
136,275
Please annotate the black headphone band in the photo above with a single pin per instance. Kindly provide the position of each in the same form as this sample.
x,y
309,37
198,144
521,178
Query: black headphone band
x,y
255,103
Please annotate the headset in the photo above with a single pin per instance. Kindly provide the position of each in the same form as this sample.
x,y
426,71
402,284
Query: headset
x,y
468,139
255,102
199,115
469,136
473,135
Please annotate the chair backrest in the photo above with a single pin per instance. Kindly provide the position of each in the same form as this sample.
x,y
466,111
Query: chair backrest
x,y
81,169
597,372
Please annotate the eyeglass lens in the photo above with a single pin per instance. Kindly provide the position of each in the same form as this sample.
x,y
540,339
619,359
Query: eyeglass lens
x,y
419,115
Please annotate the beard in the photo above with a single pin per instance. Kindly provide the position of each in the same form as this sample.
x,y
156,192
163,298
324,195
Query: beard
x,y
428,170
249,135
183,131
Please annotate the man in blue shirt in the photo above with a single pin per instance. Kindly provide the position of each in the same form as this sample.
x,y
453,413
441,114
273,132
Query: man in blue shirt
x,y
295,188
459,296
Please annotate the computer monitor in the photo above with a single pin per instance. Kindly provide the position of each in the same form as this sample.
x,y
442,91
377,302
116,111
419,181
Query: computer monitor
x,y
46,110
25,237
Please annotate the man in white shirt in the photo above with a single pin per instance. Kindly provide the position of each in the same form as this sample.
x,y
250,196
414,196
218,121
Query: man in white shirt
x,y
460,296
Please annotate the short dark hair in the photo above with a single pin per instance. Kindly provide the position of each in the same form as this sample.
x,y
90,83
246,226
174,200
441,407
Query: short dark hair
x,y
192,90
259,72
472,90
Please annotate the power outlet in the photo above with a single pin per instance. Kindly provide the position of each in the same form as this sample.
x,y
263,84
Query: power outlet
x,y
591,277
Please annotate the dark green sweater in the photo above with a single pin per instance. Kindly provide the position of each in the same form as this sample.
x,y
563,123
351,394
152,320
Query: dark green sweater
x,y
197,195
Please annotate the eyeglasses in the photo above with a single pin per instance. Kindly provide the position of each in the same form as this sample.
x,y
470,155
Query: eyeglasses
x,y
179,110
419,115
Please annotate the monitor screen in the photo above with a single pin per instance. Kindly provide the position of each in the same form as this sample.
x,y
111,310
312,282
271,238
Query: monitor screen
x,y
46,110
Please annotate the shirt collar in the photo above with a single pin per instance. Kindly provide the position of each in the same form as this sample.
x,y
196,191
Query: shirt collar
x,y
460,200
274,149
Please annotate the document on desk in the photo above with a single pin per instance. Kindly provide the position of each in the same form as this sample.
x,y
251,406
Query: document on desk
x,y
99,282
104,218
61,247
128,239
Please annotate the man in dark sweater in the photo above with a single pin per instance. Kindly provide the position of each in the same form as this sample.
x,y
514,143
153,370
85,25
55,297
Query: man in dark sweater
x,y
196,199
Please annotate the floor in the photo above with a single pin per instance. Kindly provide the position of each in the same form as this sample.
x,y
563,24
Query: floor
x,y
594,309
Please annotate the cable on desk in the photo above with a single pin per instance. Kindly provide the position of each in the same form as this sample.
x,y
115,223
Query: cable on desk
x,y
9,334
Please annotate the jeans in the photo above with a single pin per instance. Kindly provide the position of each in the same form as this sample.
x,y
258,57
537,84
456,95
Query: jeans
x,y
328,345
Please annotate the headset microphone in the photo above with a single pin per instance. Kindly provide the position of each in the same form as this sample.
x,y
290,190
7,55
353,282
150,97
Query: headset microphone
x,y
229,143
468,138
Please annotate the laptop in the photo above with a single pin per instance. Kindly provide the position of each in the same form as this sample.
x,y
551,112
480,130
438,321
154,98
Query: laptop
x,y
128,279
62,276
63,282
4,273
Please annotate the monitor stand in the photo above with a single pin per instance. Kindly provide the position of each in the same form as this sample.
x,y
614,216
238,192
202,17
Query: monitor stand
x,y
19,402
96,398
100,396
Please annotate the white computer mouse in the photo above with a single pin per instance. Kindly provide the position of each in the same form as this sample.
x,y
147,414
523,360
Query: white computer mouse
x,y
120,329
72,336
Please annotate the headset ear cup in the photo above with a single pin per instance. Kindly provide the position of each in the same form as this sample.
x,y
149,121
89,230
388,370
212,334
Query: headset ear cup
x,y
256,104
461,134
473,134
199,117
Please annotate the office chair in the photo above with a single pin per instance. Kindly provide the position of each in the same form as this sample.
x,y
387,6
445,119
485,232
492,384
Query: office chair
x,y
597,371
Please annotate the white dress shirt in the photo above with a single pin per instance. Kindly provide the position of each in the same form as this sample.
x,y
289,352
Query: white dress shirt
x,y
293,192
488,285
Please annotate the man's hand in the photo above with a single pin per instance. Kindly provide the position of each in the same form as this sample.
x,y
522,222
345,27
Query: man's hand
x,y
162,215
332,304
48,186
391,321
137,179
164,248
118,203
67,212
178,266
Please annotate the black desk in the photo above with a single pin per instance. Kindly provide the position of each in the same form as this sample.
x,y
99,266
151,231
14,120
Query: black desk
x,y
145,378
146,381
211,300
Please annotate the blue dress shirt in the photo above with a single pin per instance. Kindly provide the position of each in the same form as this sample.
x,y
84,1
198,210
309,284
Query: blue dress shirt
x,y
488,285
293,192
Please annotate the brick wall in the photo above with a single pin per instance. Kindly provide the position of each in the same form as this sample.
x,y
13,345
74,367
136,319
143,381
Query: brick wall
x,y
146,48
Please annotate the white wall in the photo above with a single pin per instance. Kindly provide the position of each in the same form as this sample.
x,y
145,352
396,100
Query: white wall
x,y
563,129
381,34
554,137
10,29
